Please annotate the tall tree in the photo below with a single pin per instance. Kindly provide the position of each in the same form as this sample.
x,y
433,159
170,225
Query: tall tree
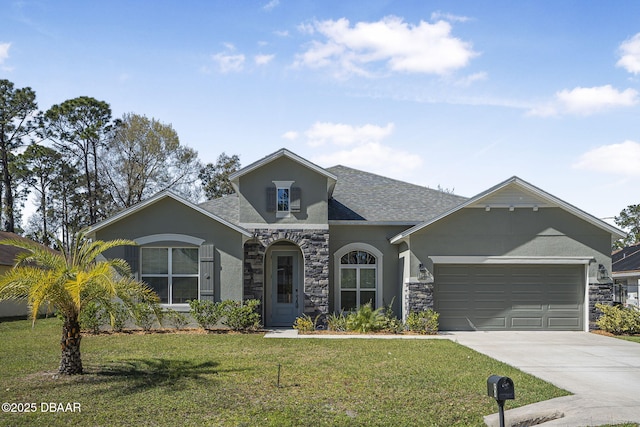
x,y
17,110
69,280
79,128
42,167
215,178
629,220
143,157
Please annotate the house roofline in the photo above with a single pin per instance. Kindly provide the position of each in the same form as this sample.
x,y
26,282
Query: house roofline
x,y
156,198
283,152
615,232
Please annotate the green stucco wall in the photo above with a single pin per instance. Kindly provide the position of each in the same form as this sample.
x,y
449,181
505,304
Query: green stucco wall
x,y
253,198
378,237
521,232
169,216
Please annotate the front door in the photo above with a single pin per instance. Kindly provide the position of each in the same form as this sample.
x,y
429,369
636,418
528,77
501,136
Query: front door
x,y
285,283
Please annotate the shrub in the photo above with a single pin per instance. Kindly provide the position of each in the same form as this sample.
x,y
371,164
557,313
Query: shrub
x,y
619,320
93,316
206,313
119,315
366,319
242,315
175,318
391,323
304,324
337,322
144,315
423,322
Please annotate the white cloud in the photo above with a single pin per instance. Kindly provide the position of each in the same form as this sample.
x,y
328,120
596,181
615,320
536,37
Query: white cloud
x,y
472,78
620,159
400,46
436,16
360,147
374,157
263,59
271,5
585,101
321,133
281,33
630,54
291,135
4,51
229,61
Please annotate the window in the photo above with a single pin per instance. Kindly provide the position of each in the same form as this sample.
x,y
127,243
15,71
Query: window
x,y
283,200
358,280
171,272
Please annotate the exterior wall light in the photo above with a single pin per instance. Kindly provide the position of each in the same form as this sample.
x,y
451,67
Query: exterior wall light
x,y
603,274
424,275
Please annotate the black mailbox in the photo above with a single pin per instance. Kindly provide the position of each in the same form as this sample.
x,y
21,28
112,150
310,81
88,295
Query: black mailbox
x,y
500,388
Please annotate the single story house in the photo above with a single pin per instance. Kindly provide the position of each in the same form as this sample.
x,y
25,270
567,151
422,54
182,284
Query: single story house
x,y
12,308
625,265
305,239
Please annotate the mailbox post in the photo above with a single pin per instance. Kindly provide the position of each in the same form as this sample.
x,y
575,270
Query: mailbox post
x,y
501,389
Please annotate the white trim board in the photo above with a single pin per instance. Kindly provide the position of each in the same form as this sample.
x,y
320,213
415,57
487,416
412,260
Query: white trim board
x,y
446,259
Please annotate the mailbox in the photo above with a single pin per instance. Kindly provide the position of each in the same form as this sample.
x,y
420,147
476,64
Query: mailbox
x,y
500,388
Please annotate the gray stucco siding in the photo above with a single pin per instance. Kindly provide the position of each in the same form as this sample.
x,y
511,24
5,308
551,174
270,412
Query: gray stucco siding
x,y
378,237
521,232
253,196
168,216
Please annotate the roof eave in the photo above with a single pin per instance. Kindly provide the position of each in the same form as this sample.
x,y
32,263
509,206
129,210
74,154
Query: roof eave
x,y
156,198
615,232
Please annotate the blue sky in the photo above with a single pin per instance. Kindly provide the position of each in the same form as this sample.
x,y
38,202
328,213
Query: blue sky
x,y
461,95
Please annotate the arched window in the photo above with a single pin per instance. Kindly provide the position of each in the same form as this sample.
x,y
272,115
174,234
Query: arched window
x,y
358,269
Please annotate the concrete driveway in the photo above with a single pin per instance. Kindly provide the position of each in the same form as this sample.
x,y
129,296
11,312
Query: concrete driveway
x,y
603,373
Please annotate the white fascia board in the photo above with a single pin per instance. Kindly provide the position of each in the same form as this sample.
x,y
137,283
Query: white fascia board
x,y
539,260
156,198
277,226
623,274
370,223
615,232
286,153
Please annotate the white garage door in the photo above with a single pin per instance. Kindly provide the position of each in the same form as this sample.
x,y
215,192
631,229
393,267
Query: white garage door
x,y
502,297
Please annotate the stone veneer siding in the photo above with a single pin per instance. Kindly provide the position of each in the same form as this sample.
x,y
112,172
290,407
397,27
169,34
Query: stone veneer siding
x,y
314,245
598,293
418,296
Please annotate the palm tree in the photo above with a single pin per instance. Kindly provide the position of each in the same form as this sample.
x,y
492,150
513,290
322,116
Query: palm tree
x,y
69,280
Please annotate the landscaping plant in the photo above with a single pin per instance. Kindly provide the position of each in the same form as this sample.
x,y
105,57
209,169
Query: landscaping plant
x,y
242,315
175,318
423,322
304,324
68,281
619,320
366,319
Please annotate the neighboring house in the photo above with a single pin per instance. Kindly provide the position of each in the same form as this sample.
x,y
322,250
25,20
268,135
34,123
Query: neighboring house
x,y
304,239
626,273
7,258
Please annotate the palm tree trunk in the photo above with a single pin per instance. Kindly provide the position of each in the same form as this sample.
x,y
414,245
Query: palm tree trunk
x,y
71,362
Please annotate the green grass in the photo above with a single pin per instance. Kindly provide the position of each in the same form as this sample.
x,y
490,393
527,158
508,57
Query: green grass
x,y
231,380
634,338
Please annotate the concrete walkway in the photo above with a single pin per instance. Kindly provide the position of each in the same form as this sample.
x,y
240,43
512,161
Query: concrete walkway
x,y
603,373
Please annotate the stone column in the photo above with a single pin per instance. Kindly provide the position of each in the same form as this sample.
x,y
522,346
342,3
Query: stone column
x,y
418,296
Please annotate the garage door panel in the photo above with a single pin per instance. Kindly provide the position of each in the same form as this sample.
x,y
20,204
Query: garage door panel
x,y
493,297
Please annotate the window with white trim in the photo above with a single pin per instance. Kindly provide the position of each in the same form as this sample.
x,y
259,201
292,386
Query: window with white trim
x,y
172,272
282,205
358,280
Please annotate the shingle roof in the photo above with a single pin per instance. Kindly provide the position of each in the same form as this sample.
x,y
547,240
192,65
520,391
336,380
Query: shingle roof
x,y
8,253
364,196
225,207
626,259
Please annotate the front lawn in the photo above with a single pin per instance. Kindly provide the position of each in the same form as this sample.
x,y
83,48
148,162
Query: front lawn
x,y
231,380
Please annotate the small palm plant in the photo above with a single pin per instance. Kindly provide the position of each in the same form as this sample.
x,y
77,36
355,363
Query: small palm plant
x,y
68,281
